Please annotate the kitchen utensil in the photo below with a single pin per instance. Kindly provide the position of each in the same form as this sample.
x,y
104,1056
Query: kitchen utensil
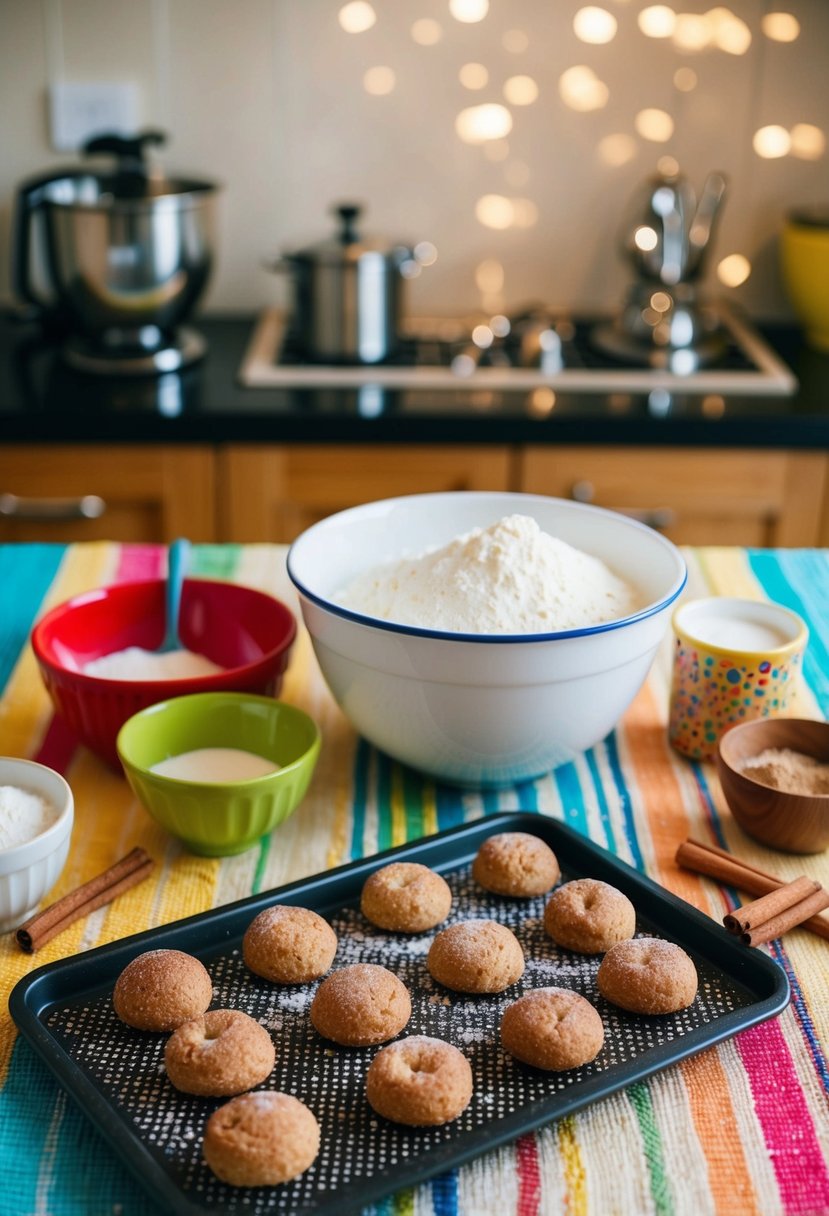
x,y
734,660
127,253
804,261
28,871
795,823
347,293
65,1012
474,708
665,236
211,818
244,631
178,557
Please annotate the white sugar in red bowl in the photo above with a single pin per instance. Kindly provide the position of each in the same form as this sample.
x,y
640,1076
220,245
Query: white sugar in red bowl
x,y
480,709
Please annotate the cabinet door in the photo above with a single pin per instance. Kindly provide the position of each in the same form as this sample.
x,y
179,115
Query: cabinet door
x,y
107,492
274,493
695,496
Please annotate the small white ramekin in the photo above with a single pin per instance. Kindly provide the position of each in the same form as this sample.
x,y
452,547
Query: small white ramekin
x,y
29,870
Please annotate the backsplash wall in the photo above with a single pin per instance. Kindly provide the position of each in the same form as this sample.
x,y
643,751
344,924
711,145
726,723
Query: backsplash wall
x,y
292,113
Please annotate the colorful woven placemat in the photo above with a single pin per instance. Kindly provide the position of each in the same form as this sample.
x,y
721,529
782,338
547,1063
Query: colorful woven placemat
x,y
742,1128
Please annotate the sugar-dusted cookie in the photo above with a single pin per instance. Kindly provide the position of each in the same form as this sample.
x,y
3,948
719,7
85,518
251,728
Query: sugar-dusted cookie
x,y
419,1081
261,1139
476,956
517,864
405,897
218,1054
589,916
648,975
289,945
160,989
361,1005
552,1028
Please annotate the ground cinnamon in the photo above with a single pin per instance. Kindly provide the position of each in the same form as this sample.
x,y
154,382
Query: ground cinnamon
x,y
789,771
102,889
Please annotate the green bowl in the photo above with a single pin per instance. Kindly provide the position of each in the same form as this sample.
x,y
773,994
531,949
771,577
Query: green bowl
x,y
214,819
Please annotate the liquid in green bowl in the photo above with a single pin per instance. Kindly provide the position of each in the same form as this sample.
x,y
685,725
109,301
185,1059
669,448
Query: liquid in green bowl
x,y
217,819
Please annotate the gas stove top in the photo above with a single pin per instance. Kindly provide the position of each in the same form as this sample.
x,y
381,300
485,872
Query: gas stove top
x,y
544,349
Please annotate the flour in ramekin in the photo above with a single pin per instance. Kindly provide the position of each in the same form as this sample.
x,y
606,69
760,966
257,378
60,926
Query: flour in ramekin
x,y
508,578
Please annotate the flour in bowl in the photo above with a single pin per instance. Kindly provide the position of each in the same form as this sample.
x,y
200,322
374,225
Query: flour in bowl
x,y
508,578
23,816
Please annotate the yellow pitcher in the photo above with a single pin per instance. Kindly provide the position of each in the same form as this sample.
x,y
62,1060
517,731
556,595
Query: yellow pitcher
x,y
804,259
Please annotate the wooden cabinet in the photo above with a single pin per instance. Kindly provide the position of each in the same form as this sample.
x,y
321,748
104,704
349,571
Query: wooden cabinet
x,y
130,492
273,493
697,496
270,492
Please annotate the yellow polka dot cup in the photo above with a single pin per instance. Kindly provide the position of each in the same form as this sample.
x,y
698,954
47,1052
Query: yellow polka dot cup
x,y
734,661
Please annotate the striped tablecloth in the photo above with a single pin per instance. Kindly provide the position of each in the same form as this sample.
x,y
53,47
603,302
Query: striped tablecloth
x,y
741,1128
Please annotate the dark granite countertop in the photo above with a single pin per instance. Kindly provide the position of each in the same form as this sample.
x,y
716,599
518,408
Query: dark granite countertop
x,y
43,401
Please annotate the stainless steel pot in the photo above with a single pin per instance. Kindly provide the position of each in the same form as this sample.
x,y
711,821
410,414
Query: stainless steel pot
x,y
348,294
126,253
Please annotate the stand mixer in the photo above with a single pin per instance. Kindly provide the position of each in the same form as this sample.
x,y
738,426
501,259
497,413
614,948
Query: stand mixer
x,y
126,253
664,324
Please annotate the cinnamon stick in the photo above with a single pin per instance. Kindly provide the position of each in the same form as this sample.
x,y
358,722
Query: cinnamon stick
x,y
102,889
797,914
715,863
753,914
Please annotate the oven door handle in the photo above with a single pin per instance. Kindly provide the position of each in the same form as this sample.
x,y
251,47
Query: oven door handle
x,y
85,506
659,518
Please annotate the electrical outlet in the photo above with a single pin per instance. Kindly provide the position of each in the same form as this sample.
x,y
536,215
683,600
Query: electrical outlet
x,y
80,110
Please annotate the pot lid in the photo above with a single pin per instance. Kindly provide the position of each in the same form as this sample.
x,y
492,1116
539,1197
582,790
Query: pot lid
x,y
347,245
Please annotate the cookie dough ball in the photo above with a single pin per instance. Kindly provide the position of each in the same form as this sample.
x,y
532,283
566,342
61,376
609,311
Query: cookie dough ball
x,y
161,989
589,916
289,945
419,1081
360,1005
261,1139
647,975
517,864
552,1028
476,956
406,897
220,1053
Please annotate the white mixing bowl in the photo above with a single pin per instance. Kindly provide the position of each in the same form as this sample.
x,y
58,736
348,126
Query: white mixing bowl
x,y
480,709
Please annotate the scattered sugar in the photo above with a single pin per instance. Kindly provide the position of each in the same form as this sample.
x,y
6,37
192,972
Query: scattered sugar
x,y
508,578
23,816
135,663
295,1002
473,1034
418,946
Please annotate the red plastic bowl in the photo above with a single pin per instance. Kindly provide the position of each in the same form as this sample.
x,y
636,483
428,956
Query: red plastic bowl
x,y
245,631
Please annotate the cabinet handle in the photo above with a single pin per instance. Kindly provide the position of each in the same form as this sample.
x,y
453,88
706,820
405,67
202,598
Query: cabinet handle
x,y
655,517
86,506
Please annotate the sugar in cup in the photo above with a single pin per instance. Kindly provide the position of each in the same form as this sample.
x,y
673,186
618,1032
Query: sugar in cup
x,y
735,660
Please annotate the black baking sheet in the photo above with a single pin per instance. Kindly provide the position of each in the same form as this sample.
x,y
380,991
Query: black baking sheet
x,y
117,1076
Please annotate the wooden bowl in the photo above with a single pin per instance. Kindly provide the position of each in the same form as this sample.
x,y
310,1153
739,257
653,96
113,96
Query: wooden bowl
x,y
795,823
